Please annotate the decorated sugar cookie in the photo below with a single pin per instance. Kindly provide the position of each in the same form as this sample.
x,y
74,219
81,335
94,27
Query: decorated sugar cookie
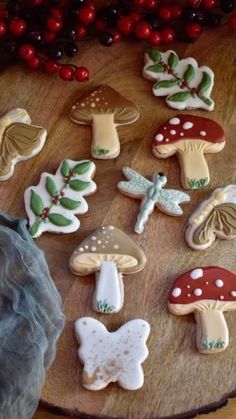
x,y
104,108
110,357
214,218
186,85
190,137
19,140
110,253
152,194
207,292
52,204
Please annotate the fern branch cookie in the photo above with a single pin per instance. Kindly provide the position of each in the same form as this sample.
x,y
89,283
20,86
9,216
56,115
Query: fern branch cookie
x,y
52,204
186,85
109,253
214,218
190,137
19,140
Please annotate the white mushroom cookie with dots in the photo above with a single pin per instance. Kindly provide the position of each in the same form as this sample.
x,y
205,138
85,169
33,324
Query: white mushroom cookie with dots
x,y
112,356
190,137
207,292
109,253
105,109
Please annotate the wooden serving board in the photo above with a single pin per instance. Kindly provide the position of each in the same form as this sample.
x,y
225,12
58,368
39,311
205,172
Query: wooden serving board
x,y
179,382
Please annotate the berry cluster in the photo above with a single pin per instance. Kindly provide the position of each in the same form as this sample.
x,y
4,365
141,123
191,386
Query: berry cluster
x,y
41,32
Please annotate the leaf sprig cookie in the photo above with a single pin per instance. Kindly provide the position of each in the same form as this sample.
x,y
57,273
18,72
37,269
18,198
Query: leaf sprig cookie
x,y
186,85
51,204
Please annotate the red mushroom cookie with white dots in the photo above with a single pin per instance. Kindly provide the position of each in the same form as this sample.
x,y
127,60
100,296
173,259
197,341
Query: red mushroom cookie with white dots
x,y
190,137
207,292
104,108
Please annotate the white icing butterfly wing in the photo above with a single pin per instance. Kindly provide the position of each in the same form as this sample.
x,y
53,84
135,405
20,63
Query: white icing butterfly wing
x,y
170,199
137,184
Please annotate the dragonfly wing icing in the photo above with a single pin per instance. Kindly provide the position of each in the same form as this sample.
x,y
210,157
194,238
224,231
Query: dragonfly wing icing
x,y
170,200
136,185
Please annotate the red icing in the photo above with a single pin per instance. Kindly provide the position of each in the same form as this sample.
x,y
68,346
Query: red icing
x,y
209,291
214,132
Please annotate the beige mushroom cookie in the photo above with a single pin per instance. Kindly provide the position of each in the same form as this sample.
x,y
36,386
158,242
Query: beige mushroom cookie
x,y
104,108
109,253
190,137
207,292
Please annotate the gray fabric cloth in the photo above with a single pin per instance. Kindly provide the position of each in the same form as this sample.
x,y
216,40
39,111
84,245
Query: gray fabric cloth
x,y
31,320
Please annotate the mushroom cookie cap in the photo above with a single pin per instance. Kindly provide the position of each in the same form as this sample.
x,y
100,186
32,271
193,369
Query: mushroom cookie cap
x,y
108,244
104,100
206,284
188,128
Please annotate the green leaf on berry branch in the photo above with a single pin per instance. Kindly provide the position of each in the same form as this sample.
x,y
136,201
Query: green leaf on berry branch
x,y
78,185
156,68
65,168
36,203
206,100
154,54
82,168
165,84
173,60
51,186
179,97
34,229
69,203
205,82
59,220
189,73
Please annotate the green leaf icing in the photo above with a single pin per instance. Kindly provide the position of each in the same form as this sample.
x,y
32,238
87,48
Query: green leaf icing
x,y
78,185
173,60
51,186
82,168
104,306
36,203
205,82
59,220
70,203
165,84
156,68
206,100
65,168
100,151
34,229
189,73
179,97
198,183
154,54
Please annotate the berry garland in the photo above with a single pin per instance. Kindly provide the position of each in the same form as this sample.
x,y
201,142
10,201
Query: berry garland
x,y
41,32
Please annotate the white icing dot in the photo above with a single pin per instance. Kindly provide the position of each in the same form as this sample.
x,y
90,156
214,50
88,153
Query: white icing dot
x,y
165,127
167,140
222,297
103,246
81,249
74,107
219,283
83,104
207,283
103,227
93,248
233,293
106,103
116,246
111,228
93,94
97,99
188,295
176,292
94,238
93,105
86,246
106,241
159,137
187,125
197,273
203,133
181,134
197,292
174,121
188,286
99,242
172,132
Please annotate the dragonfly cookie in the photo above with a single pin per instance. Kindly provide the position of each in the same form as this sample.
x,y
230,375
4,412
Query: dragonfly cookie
x,y
152,194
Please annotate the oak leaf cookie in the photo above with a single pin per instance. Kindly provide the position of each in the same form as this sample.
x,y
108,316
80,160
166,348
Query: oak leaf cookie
x,y
112,356
207,292
109,253
19,140
152,194
105,109
190,137
186,85
214,218
51,205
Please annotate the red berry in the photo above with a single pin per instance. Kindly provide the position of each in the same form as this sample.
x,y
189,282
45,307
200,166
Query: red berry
x,y
26,52
176,11
17,27
81,74
66,72
167,35
125,25
80,31
232,22
100,24
116,35
51,67
165,13
86,15
49,36
193,30
142,30
56,12
54,24
154,38
209,4
135,15
139,3
3,28
34,62
150,4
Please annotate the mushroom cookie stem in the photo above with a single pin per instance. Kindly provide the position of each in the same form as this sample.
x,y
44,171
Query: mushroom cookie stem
x,y
105,138
212,331
109,291
195,172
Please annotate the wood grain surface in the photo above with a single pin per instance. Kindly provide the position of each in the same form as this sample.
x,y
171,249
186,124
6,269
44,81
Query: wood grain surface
x,y
178,380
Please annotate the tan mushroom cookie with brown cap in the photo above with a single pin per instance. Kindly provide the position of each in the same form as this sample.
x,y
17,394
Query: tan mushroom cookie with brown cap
x,y
104,108
109,253
207,292
190,137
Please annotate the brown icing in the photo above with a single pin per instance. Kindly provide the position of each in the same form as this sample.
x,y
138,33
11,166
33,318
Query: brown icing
x,y
104,100
19,139
221,219
206,283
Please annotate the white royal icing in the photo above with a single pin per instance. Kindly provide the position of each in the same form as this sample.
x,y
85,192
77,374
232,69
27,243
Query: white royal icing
x,y
176,292
233,293
219,283
203,133
172,132
197,273
159,137
174,121
187,125
197,292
